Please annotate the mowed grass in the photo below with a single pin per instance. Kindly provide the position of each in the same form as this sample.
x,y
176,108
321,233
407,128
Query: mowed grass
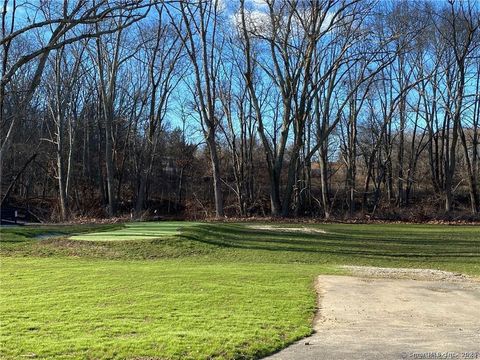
x,y
16,234
453,248
52,308
136,231
206,291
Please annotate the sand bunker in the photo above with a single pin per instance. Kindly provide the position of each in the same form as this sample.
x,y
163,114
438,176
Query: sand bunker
x,y
303,229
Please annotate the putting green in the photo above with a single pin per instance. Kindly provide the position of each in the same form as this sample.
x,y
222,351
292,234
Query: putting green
x,y
137,231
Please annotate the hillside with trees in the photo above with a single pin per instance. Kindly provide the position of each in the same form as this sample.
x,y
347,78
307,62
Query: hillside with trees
x,y
329,109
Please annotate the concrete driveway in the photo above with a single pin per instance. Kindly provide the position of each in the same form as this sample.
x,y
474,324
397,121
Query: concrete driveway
x,y
391,318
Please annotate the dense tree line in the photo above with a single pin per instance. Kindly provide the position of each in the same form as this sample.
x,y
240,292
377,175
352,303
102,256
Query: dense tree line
x,y
194,108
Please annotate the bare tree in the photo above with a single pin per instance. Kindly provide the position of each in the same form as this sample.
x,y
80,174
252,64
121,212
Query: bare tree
x,y
459,30
162,52
200,34
63,96
66,24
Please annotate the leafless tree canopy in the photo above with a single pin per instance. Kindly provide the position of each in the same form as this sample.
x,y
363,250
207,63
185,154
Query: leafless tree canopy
x,y
319,108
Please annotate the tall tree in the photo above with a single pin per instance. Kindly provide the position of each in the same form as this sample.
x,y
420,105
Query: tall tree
x,y
199,30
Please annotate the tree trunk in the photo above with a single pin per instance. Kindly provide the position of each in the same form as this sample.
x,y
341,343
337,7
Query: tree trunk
x,y
470,174
324,181
109,164
12,184
62,183
217,180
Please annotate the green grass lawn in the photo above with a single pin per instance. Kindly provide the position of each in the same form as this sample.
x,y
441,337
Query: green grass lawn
x,y
136,231
16,234
218,291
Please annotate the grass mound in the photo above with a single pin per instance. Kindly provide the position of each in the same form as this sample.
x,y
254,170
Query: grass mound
x,y
137,231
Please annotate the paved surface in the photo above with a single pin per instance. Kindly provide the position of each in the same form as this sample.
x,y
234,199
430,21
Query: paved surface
x,y
371,318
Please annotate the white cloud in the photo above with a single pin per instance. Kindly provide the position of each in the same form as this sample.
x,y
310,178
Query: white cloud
x,y
328,20
258,20
258,3
221,5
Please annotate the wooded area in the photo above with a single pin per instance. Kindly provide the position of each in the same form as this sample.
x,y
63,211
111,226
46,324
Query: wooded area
x,y
316,108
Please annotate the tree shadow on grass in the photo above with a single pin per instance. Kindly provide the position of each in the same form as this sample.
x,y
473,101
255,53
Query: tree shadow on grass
x,y
393,246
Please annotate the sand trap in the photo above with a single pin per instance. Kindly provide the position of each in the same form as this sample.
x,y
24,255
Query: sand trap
x,y
388,318
303,229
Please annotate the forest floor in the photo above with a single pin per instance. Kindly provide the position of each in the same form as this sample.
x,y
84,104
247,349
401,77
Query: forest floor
x,y
193,290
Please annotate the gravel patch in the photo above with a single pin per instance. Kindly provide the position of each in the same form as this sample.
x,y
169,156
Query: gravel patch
x,y
406,273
